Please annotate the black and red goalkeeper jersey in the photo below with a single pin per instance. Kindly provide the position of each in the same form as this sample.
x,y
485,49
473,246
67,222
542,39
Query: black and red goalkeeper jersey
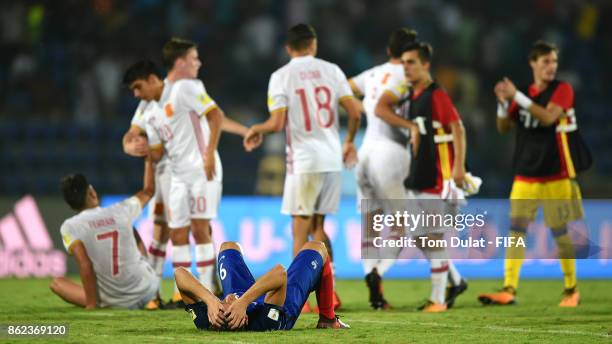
x,y
433,110
545,153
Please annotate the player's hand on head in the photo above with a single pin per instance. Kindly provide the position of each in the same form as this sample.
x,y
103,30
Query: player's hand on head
x,y
209,166
236,316
216,314
349,154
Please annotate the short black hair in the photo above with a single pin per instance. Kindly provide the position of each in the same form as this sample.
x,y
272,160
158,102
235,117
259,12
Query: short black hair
x,y
399,39
74,188
424,50
300,36
140,70
540,48
175,48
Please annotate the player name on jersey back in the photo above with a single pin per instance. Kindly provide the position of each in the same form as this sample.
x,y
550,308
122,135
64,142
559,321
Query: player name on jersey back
x,y
310,89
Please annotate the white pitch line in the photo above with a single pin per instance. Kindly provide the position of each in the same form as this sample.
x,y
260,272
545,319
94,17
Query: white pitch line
x,y
491,328
195,338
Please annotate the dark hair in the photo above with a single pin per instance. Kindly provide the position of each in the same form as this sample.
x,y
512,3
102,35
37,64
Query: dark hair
x,y
399,39
175,48
140,71
300,36
74,188
541,48
424,50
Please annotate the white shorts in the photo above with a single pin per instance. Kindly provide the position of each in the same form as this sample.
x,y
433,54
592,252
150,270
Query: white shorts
x,y
383,166
159,208
192,198
311,193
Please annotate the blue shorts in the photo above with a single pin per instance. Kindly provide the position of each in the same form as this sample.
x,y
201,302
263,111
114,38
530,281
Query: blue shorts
x,y
236,278
303,277
234,274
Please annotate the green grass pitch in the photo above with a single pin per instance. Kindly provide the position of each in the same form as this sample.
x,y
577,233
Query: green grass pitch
x,y
536,317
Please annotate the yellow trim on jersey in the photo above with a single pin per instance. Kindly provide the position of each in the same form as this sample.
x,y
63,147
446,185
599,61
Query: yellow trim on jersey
x,y
445,165
347,96
389,92
281,110
355,89
69,250
205,113
571,171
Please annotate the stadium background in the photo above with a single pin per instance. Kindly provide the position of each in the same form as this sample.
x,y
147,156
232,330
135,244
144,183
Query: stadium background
x,y
63,109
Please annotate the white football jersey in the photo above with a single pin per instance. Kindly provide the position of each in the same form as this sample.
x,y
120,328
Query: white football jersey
x,y
310,89
141,115
373,83
180,124
123,275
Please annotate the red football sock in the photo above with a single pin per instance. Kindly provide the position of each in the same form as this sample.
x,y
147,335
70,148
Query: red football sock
x,y
325,293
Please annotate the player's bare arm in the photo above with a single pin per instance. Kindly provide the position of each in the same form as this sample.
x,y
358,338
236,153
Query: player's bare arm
x,y
135,142
192,291
215,119
148,188
140,243
546,116
230,126
274,282
459,148
356,91
274,124
88,277
349,152
384,110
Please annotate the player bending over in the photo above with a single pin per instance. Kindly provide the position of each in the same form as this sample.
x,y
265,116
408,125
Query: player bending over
x,y
271,303
111,257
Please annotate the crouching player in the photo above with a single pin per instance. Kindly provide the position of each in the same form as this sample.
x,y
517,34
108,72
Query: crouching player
x,y
271,303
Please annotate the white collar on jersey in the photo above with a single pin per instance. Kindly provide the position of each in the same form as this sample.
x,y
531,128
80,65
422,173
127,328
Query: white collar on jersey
x,y
301,58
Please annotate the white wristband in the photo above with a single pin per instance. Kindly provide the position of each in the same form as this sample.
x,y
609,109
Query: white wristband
x,y
522,100
502,109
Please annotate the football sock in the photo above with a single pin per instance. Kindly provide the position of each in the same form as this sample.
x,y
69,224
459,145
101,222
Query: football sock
x,y
514,259
566,256
205,262
454,276
325,292
181,257
157,256
438,260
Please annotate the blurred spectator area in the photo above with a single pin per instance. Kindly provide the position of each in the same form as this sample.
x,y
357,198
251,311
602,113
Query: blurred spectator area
x,y
63,109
